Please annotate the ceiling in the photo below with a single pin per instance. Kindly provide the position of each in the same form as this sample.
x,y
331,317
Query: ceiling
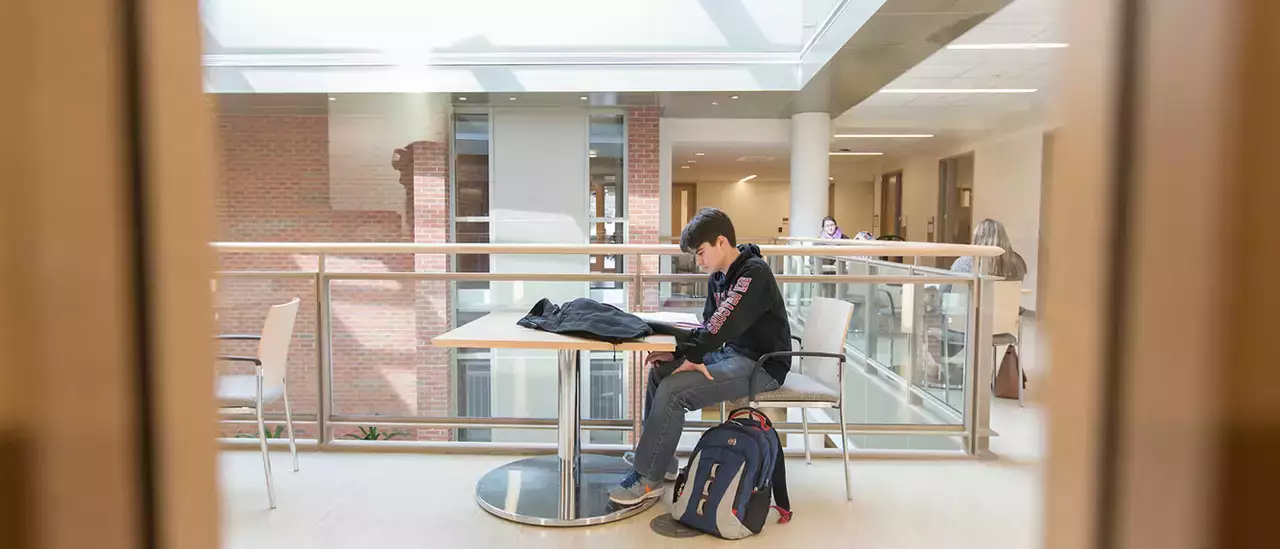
x,y
946,116
959,115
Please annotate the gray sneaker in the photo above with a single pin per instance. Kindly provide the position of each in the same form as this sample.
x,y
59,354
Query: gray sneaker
x,y
672,472
635,489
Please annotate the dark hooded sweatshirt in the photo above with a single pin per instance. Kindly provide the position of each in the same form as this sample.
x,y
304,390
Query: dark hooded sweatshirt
x,y
744,311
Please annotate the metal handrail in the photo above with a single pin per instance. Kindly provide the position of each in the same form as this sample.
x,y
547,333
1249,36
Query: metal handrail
x,y
322,276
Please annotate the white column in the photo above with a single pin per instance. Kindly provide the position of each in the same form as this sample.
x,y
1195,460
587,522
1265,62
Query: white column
x,y
810,142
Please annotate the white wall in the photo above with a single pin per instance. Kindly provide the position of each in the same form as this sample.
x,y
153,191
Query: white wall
x,y
757,208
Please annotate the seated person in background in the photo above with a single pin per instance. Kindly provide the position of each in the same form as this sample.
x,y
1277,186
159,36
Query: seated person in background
x,y
1008,265
831,229
744,318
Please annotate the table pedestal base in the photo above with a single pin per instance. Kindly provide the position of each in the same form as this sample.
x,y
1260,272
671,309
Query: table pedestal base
x,y
528,491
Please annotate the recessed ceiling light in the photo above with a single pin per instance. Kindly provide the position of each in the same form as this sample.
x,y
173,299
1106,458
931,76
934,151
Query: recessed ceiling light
x,y
511,99
733,97
584,98
958,90
462,99
685,167
747,178
854,153
714,103
692,161
333,98
883,135
699,154
1009,46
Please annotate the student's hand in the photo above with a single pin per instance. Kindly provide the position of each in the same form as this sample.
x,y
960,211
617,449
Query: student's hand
x,y
657,357
692,367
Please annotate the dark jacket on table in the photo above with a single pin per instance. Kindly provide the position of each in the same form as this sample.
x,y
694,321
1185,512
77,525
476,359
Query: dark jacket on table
x,y
745,311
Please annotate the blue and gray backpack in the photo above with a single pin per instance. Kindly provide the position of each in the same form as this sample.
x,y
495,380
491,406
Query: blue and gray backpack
x,y
735,473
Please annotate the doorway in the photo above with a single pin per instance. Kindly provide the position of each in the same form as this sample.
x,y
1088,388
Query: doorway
x,y
891,205
955,202
684,205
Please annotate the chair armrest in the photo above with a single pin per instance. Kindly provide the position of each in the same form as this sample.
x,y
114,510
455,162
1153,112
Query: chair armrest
x,y
751,382
238,337
232,358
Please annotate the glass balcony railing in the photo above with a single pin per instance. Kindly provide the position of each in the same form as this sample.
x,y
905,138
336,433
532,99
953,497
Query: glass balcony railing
x,y
362,354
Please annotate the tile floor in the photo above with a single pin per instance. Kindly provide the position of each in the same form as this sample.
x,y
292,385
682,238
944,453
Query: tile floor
x,y
351,501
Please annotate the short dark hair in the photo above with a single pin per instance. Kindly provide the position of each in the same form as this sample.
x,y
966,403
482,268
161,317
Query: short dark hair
x,y
705,228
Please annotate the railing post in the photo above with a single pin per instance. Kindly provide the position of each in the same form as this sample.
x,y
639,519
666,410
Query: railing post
x,y
977,391
637,371
322,350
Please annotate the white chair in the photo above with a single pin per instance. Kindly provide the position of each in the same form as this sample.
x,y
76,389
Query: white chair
x,y
237,393
825,326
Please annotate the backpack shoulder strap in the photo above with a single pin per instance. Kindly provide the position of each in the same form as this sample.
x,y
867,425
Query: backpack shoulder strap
x,y
780,488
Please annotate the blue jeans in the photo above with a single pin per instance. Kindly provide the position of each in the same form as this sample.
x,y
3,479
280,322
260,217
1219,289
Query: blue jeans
x,y
669,398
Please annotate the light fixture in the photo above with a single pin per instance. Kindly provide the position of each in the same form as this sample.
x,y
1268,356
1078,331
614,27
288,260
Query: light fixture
x,y
584,98
714,103
733,97
1009,46
511,99
462,99
699,154
958,90
685,167
883,135
592,153
831,179
692,161
854,153
747,178
333,98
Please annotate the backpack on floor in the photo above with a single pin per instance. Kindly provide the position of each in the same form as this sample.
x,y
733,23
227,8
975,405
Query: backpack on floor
x,y
735,473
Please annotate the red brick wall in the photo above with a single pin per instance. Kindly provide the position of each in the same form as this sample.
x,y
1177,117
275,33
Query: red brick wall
x,y
275,185
642,190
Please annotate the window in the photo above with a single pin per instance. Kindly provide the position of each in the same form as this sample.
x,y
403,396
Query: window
x,y
607,160
607,399
475,395
471,192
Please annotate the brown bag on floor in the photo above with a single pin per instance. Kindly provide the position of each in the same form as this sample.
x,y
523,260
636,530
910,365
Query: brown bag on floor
x,y
1009,375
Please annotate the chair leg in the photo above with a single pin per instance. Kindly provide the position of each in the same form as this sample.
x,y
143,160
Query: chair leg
x,y
266,456
804,420
1021,376
844,444
288,421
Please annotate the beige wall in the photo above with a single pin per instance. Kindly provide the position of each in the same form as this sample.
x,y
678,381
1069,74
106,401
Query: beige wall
x,y
854,206
757,208
1006,181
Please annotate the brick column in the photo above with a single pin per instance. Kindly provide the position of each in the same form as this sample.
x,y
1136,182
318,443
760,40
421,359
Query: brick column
x,y
430,216
642,192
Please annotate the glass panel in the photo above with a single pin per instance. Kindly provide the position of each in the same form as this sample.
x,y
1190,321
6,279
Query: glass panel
x,y
607,233
240,307
471,165
471,233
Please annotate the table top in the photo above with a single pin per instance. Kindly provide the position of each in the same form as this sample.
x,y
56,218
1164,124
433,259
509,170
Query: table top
x,y
499,331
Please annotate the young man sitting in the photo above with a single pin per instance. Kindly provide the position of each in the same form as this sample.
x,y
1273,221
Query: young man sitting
x,y
744,318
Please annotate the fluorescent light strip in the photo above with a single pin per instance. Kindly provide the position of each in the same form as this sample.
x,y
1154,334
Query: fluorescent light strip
x,y
1010,46
747,178
851,153
958,90
883,135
